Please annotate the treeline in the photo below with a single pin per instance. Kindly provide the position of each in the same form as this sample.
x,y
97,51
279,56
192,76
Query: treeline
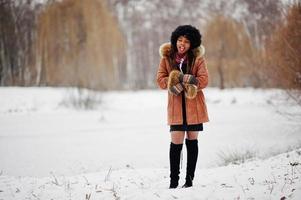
x,y
268,56
114,44
64,43
283,54
235,34
146,25
17,35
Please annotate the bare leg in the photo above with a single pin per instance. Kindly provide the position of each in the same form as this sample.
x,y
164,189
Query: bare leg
x,y
192,135
177,137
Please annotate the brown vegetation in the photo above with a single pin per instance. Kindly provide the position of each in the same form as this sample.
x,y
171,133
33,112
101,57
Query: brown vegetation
x,y
230,54
283,53
79,44
64,43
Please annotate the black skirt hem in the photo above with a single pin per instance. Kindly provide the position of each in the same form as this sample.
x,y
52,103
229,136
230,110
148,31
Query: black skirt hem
x,y
185,127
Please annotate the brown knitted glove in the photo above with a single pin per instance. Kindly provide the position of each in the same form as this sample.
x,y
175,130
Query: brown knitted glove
x,y
173,78
176,89
173,82
188,78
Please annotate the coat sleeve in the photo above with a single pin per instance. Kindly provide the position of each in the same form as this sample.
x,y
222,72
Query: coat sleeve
x,y
162,74
202,73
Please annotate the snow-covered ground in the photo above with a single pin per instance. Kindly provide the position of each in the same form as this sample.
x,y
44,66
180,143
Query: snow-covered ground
x,y
119,149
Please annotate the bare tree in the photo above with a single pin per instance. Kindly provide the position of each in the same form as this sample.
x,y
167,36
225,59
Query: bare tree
x,y
283,52
227,50
17,32
79,44
261,19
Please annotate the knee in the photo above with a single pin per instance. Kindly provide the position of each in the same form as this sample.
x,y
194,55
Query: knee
x,y
177,140
192,135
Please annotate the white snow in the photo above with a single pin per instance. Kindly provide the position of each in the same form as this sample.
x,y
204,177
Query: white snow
x,y
119,149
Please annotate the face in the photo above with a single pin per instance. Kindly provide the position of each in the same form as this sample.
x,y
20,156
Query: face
x,y
183,44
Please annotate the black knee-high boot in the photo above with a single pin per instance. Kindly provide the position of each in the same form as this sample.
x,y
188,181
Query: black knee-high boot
x,y
174,160
192,156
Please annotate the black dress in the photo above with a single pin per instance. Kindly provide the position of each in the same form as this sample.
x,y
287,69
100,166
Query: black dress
x,y
185,126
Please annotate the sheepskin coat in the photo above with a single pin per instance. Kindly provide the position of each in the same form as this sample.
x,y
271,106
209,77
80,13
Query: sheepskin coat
x,y
196,109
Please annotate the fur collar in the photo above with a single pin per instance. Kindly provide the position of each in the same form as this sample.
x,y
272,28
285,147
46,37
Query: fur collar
x,y
165,49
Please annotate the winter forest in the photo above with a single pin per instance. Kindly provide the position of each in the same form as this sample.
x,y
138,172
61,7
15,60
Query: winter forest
x,y
82,117
88,43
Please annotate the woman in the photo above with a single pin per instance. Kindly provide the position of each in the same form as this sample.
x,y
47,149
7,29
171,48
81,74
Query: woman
x,y
182,70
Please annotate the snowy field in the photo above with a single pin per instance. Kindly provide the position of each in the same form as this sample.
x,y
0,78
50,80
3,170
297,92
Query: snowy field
x,y
118,149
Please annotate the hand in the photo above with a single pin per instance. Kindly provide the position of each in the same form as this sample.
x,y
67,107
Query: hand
x,y
190,91
176,89
188,78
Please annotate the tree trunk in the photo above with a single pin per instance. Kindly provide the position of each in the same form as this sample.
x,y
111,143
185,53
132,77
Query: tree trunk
x,y
220,66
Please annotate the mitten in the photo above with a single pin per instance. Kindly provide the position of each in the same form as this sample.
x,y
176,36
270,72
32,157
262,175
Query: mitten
x,y
176,89
191,91
188,78
173,80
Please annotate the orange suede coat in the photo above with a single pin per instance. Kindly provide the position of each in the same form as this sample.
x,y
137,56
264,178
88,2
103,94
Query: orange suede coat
x,y
196,110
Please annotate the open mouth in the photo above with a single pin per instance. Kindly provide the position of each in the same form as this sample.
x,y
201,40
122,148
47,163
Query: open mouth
x,y
181,48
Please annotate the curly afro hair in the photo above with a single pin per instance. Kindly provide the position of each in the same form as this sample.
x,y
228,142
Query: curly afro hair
x,y
190,32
